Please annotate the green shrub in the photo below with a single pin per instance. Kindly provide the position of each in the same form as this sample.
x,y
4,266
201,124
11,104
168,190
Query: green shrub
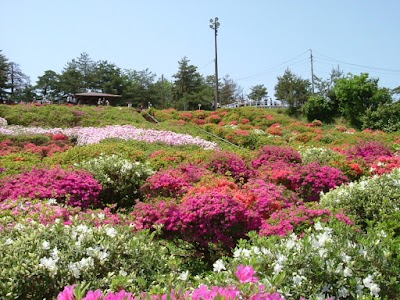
x,y
120,178
16,163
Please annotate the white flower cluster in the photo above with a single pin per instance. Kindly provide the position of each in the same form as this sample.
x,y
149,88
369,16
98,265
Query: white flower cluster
x,y
3,122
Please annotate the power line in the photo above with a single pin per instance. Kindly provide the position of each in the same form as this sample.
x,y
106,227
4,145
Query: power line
x,y
325,57
273,68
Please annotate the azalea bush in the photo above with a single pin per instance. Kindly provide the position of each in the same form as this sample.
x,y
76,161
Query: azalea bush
x,y
276,153
370,199
312,179
75,188
246,286
297,218
321,155
369,151
173,182
230,164
119,177
38,261
330,260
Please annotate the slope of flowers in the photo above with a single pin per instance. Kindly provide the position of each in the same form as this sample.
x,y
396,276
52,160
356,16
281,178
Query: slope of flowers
x,y
276,222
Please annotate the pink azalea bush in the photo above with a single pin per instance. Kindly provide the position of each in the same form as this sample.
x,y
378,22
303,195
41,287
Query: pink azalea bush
x,y
385,164
75,188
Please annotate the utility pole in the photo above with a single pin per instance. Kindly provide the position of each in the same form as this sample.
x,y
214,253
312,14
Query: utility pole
x,y
312,71
215,25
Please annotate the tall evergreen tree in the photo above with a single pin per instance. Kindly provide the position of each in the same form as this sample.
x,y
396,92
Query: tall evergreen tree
x,y
188,82
292,90
4,71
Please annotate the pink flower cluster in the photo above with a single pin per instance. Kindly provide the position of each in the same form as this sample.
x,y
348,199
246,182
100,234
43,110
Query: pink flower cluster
x,y
275,153
292,219
93,135
269,197
173,182
214,215
75,188
312,179
244,274
229,163
369,151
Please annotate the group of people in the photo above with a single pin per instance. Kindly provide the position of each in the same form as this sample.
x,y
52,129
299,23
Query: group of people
x,y
103,101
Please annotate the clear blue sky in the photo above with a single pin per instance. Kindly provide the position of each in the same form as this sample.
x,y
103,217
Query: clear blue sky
x,y
257,39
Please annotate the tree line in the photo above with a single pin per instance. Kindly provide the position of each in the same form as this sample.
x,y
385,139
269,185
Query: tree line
x,y
357,98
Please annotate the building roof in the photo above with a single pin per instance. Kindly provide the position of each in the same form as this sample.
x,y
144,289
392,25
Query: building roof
x,y
94,94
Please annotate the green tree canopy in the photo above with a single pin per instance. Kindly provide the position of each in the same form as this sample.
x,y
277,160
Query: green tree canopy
x,y
292,90
49,84
4,71
188,82
258,93
357,94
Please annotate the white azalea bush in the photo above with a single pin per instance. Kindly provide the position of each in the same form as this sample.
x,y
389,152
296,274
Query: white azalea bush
x,y
3,122
37,261
120,178
329,261
370,199
321,155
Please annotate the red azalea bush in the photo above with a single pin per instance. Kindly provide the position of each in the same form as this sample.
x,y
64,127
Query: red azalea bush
x,y
312,179
297,219
276,153
172,182
211,216
231,164
269,197
276,171
385,164
75,188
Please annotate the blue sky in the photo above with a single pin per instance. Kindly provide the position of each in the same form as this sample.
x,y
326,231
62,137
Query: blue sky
x,y
257,39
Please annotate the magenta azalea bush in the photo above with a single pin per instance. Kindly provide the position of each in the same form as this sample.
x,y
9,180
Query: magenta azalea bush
x,y
75,188
276,153
312,179
213,216
369,151
230,164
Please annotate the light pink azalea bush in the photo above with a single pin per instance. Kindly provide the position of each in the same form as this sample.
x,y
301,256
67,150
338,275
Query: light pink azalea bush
x,y
93,135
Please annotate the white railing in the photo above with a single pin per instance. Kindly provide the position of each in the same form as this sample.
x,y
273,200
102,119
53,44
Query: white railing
x,y
260,104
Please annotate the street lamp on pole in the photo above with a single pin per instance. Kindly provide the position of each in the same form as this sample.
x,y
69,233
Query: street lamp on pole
x,y
215,25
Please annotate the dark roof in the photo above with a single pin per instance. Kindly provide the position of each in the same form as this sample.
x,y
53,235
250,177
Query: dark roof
x,y
94,94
